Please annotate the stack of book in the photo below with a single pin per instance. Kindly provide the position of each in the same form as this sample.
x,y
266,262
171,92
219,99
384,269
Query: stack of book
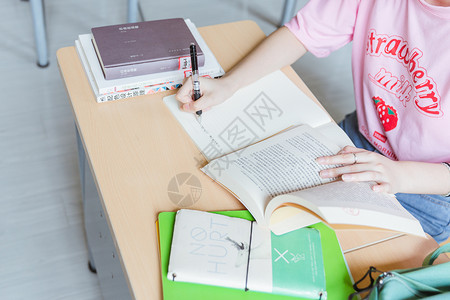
x,y
129,60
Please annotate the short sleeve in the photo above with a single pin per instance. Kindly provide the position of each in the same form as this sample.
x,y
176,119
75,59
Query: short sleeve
x,y
325,25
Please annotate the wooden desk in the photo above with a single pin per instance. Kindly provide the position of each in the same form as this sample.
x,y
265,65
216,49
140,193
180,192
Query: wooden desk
x,y
132,149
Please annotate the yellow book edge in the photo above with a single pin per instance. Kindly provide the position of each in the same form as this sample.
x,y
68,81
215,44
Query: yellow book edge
x,y
367,235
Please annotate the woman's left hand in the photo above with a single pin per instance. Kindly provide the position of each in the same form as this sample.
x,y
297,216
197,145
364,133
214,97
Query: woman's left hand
x,y
362,165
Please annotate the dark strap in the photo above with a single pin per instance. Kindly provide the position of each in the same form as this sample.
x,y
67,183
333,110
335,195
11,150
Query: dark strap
x,y
249,250
369,287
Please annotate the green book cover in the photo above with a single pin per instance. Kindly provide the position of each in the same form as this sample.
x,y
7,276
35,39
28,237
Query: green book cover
x,y
338,282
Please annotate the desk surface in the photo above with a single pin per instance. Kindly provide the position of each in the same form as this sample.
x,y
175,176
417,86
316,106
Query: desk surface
x,y
135,148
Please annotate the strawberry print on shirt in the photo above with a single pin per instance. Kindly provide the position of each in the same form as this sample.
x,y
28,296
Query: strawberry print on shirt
x,y
386,113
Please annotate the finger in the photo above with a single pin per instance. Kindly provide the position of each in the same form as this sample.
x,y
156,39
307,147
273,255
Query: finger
x,y
193,106
189,107
347,155
206,101
363,176
346,169
184,94
348,149
382,188
376,171
344,158
351,149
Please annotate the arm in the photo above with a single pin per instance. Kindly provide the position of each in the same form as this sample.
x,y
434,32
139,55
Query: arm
x,y
391,176
279,49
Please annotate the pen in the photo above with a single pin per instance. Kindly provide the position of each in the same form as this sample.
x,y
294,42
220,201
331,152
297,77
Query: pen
x,y
195,83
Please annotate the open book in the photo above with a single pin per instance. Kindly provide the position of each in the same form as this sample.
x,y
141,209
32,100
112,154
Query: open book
x,y
254,113
278,181
267,170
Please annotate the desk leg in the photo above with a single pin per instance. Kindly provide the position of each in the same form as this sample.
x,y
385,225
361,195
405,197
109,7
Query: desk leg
x,y
134,11
102,252
37,9
288,11
82,167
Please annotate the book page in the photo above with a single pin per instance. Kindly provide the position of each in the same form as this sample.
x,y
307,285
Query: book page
x,y
210,249
335,134
281,164
347,203
254,113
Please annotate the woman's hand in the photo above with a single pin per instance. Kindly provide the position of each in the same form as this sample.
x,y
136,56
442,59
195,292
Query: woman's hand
x,y
214,92
262,60
362,165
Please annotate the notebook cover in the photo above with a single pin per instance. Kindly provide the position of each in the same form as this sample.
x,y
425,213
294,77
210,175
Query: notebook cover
x,y
141,42
338,281
214,249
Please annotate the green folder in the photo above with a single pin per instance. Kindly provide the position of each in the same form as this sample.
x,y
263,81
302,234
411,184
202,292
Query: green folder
x,y
338,281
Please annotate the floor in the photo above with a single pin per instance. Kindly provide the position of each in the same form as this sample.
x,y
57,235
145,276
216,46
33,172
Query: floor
x,y
43,251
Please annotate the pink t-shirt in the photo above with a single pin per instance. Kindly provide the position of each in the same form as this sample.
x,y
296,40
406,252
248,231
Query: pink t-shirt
x,y
401,69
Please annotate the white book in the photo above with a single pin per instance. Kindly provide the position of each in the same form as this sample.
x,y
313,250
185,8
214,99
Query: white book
x,y
256,112
278,181
144,83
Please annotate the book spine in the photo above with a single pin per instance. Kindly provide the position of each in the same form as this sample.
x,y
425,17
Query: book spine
x,y
210,72
146,90
138,85
181,63
137,92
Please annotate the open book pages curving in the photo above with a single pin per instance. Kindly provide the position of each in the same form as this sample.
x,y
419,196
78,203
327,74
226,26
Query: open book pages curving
x,y
278,181
254,113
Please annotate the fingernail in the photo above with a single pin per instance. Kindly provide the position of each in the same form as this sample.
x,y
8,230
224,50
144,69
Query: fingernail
x,y
324,173
347,177
376,188
320,160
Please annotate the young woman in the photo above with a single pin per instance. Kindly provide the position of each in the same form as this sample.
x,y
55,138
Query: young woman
x,y
401,126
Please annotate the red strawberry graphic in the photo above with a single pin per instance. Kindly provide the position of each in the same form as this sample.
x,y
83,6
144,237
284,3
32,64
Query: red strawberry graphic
x,y
388,114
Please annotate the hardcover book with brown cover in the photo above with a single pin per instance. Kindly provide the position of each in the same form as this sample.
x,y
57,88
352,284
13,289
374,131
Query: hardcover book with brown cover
x,y
133,49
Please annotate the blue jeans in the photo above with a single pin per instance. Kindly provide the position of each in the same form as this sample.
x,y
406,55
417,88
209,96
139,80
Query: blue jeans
x,y
432,211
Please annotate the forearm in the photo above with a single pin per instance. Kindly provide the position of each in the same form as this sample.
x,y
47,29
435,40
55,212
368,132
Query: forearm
x,y
424,178
279,49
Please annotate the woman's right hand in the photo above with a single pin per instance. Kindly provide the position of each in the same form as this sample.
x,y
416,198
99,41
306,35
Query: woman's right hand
x,y
214,92
264,59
